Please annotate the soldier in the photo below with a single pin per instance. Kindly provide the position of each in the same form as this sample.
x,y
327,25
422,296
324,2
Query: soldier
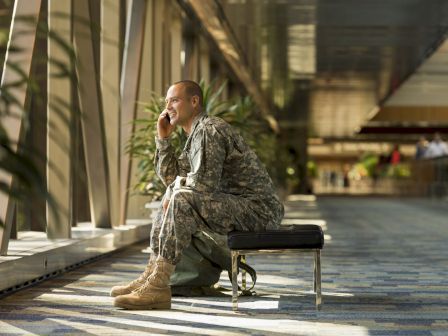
x,y
217,183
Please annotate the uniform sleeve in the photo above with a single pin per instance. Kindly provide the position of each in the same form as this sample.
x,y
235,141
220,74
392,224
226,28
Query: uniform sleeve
x,y
165,161
207,156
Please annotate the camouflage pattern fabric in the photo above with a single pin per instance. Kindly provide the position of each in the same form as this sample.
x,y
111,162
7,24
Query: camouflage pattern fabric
x,y
217,184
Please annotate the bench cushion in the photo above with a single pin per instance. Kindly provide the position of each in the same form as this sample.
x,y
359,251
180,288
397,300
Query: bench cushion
x,y
286,237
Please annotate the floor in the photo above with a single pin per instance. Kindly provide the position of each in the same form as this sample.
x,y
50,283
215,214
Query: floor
x,y
385,272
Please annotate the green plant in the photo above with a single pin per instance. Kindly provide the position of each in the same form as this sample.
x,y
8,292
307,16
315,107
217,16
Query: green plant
x,y
399,171
312,169
240,112
370,161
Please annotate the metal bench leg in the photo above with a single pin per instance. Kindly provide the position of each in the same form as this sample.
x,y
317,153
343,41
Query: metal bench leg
x,y
243,274
235,280
317,280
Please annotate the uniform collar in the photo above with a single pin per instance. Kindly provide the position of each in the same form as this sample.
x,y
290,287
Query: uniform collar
x,y
196,121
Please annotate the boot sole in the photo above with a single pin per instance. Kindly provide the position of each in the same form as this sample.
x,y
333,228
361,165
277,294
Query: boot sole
x,y
159,305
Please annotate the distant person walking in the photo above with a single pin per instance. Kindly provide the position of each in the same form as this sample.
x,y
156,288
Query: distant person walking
x,y
420,148
437,147
395,156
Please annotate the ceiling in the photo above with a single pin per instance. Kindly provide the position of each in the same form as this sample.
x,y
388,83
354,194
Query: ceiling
x,y
335,64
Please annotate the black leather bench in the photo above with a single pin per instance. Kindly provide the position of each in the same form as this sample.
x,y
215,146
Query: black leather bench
x,y
287,239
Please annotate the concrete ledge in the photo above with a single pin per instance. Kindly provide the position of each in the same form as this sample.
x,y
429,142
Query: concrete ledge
x,y
32,256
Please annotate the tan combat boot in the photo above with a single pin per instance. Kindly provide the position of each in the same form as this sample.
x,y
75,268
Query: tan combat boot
x,y
135,284
155,293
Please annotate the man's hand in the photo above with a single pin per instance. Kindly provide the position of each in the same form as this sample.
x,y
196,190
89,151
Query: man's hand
x,y
164,128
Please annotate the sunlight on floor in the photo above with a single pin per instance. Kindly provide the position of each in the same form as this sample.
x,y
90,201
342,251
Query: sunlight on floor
x,y
303,198
261,324
10,329
298,221
71,299
100,330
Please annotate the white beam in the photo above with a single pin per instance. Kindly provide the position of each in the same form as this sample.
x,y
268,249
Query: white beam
x,y
58,129
91,120
110,90
129,86
22,59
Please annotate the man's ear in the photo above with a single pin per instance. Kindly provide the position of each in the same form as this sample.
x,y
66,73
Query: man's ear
x,y
195,101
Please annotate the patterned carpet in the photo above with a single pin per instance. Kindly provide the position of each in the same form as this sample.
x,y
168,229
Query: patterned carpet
x,y
384,271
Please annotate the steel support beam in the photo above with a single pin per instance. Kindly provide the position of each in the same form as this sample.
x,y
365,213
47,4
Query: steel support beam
x,y
204,60
58,117
175,25
159,34
91,121
207,13
136,203
24,43
110,89
129,86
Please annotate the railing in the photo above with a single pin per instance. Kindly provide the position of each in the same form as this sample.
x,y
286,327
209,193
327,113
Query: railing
x,y
430,177
427,178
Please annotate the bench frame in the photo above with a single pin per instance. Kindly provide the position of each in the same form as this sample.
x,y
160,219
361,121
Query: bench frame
x,y
235,269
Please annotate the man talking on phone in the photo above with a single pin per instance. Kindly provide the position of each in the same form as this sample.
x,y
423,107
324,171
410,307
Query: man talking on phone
x,y
217,184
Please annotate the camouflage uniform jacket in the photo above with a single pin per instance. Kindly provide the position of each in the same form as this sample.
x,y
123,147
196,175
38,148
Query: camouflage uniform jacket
x,y
216,160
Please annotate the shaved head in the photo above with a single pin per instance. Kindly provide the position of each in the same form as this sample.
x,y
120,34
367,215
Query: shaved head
x,y
192,89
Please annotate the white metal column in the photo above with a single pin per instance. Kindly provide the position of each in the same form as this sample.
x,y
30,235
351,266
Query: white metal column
x,y
22,59
129,86
110,89
58,118
92,114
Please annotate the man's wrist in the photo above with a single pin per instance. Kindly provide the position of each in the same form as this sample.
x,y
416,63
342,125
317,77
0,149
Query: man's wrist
x,y
162,143
162,136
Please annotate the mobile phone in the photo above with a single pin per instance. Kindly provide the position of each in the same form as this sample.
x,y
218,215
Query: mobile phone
x,y
168,117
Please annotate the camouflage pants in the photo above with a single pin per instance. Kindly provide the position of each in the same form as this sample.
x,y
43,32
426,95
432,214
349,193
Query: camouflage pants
x,y
190,211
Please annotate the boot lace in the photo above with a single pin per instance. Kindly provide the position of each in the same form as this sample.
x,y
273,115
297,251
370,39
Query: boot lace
x,y
146,273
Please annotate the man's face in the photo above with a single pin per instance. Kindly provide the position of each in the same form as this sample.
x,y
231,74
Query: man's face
x,y
180,107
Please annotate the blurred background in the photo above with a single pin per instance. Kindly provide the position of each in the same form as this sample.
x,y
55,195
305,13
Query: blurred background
x,y
336,97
